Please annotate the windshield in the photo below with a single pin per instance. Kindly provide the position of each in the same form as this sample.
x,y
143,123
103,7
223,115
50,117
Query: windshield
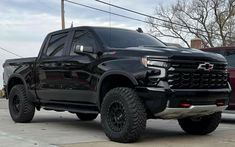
x,y
121,38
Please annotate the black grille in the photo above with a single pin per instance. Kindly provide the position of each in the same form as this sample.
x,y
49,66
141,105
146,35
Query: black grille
x,y
187,76
194,66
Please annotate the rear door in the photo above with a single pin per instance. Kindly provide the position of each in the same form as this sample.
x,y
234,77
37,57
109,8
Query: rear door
x,y
49,68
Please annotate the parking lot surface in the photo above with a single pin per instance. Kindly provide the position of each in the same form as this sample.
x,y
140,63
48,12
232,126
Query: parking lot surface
x,y
53,129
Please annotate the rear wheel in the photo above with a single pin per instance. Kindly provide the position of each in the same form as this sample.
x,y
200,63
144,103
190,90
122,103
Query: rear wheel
x,y
86,117
200,125
123,115
21,108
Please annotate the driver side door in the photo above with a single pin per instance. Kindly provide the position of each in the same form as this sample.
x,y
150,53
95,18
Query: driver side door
x,y
78,69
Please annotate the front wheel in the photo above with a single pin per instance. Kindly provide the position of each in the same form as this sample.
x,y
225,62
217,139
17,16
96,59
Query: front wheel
x,y
200,125
123,115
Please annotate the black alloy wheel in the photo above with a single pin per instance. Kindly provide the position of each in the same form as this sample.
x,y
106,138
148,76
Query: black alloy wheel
x,y
117,117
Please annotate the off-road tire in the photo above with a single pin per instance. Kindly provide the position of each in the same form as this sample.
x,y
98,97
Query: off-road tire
x,y
132,117
86,117
20,107
200,126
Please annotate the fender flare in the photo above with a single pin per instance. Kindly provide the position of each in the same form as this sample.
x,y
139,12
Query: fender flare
x,y
113,72
14,75
31,96
17,76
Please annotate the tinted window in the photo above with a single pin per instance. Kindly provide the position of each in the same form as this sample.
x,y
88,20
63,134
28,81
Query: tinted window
x,y
230,56
43,47
56,44
120,38
82,38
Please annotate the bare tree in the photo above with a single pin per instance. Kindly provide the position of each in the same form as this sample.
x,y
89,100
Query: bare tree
x,y
213,21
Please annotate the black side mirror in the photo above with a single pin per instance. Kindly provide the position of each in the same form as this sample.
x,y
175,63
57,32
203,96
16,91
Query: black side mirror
x,y
83,49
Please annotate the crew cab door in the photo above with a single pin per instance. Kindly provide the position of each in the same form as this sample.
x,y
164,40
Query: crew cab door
x,y
49,68
80,80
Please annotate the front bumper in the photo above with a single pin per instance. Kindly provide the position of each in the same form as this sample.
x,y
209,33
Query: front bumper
x,y
164,103
197,110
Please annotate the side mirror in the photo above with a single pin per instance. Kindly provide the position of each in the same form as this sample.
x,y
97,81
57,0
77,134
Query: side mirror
x,y
83,49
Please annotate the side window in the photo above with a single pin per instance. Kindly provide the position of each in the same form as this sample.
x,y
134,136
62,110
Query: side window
x,y
82,38
43,47
56,45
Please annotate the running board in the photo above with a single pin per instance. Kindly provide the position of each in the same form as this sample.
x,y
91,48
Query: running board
x,y
71,109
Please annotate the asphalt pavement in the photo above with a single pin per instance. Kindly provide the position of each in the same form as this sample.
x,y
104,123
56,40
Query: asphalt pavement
x,y
63,129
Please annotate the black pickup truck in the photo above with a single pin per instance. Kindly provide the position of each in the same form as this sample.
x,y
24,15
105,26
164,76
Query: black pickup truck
x,y
126,76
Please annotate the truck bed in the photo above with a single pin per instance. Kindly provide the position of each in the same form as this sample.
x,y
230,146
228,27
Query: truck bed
x,y
18,61
20,66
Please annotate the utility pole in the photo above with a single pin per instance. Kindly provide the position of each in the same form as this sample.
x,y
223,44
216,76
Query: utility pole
x,y
62,15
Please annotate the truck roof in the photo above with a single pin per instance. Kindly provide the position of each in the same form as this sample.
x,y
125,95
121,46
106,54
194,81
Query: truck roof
x,y
90,28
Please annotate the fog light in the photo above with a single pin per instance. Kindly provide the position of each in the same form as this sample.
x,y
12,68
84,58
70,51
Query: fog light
x,y
220,103
184,105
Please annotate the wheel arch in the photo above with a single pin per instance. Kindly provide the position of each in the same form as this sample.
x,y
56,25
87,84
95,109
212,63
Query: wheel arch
x,y
15,79
111,80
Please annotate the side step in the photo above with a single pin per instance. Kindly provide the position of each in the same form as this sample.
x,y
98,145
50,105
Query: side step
x,y
71,108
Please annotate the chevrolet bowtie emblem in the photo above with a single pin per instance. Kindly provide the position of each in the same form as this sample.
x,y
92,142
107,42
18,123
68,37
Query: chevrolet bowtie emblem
x,y
206,66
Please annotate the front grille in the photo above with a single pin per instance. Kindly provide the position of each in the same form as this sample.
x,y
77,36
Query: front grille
x,y
194,66
187,76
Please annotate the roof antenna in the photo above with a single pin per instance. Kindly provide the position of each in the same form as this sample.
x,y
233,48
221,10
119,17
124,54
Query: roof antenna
x,y
140,30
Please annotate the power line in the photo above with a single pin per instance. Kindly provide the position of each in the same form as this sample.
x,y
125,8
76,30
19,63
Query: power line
x,y
139,13
120,15
124,16
156,18
1,48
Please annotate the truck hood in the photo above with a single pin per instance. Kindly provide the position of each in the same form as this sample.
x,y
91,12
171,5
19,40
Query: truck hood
x,y
171,53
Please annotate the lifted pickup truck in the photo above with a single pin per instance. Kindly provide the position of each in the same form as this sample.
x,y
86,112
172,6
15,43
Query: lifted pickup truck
x,y
126,76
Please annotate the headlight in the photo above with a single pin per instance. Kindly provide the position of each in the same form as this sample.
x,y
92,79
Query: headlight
x,y
161,73
156,65
144,61
153,63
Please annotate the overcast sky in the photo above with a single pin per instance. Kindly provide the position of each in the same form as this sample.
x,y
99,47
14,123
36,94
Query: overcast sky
x,y
25,23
